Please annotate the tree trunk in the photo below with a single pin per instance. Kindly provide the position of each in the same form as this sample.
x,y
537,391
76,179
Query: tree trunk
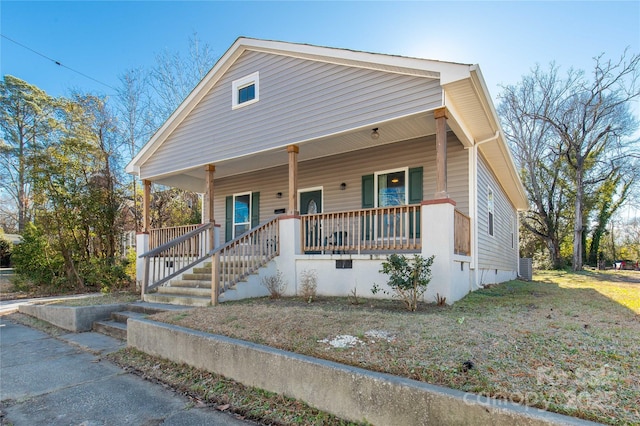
x,y
578,227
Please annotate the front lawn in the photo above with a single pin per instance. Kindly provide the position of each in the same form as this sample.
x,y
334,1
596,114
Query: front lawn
x,y
565,342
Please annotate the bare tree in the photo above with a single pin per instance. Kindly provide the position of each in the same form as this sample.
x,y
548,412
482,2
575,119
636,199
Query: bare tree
x,y
538,157
575,132
594,123
136,122
175,76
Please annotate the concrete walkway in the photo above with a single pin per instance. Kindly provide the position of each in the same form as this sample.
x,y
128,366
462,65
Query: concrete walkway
x,y
11,306
63,381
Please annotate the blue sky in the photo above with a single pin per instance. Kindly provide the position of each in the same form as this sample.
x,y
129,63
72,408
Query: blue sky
x,y
104,39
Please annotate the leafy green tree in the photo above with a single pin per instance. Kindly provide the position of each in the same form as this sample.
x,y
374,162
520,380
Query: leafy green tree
x,y
25,117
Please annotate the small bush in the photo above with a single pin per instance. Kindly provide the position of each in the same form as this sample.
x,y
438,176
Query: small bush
x,y
5,251
407,278
275,284
308,284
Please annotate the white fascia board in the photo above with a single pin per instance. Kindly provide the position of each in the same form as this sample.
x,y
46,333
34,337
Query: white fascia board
x,y
483,93
185,107
445,71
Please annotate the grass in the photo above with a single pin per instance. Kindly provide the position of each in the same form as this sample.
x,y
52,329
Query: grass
x,y
566,342
207,389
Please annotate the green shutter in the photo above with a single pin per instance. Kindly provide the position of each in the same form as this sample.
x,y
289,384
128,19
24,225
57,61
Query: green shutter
x,y
368,192
415,197
255,209
368,202
228,224
415,186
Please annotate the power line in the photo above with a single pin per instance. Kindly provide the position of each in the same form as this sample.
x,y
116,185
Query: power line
x,y
56,62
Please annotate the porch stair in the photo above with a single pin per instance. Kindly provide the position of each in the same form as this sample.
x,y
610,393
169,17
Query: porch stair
x,y
116,326
194,288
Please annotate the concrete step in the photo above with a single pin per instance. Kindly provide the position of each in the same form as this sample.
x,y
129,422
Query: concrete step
x,y
123,316
111,328
153,308
190,283
178,300
197,277
185,291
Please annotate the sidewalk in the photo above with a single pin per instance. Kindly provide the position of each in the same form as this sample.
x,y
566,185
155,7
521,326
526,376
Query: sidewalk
x,y
63,381
11,306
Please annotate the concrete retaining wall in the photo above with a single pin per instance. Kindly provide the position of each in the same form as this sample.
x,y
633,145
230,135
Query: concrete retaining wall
x,y
348,392
72,318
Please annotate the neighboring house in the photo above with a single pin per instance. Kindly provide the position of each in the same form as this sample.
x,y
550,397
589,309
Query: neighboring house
x,y
329,160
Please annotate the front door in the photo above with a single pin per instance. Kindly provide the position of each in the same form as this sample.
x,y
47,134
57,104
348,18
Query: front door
x,y
311,203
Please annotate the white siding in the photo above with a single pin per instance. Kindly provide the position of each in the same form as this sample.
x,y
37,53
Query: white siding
x,y
495,252
299,100
330,172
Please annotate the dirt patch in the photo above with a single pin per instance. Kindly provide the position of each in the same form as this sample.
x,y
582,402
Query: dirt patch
x,y
569,349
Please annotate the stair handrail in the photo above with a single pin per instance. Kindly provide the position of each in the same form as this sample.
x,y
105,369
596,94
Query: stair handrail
x,y
271,249
167,247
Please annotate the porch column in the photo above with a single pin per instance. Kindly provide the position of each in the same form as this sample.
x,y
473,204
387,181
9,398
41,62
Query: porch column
x,y
441,116
146,203
293,179
142,238
208,203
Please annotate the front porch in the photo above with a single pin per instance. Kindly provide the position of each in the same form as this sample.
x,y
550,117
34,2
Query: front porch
x,y
345,249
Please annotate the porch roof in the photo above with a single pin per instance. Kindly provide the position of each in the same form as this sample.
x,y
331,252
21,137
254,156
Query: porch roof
x,y
472,116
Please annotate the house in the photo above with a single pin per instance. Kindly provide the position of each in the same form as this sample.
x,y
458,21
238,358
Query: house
x,y
327,160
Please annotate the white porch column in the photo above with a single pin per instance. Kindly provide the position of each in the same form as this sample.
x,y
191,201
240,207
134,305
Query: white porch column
x,y
142,246
290,246
437,239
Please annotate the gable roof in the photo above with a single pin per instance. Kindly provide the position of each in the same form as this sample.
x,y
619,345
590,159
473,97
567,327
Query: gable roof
x,y
473,117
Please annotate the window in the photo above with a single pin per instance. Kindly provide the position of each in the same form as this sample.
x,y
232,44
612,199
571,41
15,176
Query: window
x,y
241,214
490,210
391,188
245,91
513,232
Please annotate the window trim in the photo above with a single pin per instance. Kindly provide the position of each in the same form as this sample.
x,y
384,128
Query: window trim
x,y
233,212
241,83
386,172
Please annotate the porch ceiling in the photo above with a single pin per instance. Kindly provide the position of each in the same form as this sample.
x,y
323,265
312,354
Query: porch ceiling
x,y
398,130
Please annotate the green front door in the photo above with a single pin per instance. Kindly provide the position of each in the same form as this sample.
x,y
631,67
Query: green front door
x,y
311,203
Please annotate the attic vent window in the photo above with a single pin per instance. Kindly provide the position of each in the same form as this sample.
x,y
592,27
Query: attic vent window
x,y
246,91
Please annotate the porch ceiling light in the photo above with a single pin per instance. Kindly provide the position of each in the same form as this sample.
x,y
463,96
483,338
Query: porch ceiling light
x,y
374,133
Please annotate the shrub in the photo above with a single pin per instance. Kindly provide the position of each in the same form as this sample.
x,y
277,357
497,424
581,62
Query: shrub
x,y
5,251
308,284
34,260
275,285
407,278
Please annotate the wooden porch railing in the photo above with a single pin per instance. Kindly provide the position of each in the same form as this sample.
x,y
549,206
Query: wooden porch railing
x,y
161,236
380,229
174,257
462,233
235,260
